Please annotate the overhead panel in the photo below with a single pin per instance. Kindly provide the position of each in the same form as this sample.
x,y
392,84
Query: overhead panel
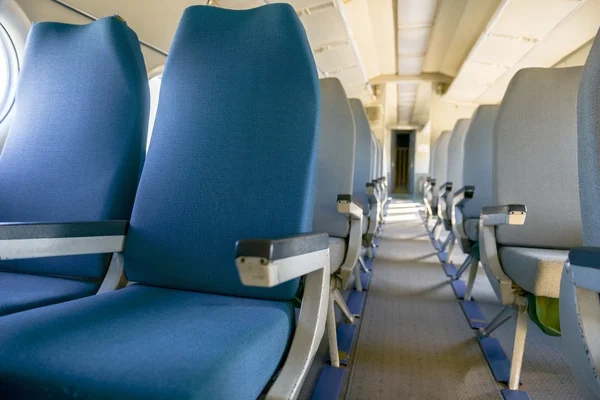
x,y
512,36
330,38
415,21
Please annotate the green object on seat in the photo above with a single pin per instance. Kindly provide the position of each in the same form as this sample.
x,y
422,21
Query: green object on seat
x,y
544,311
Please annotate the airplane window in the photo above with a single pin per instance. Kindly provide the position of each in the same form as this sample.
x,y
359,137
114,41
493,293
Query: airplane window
x,y
154,92
8,58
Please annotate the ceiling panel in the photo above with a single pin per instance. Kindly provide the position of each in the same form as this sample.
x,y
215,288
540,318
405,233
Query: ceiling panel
x,y
411,12
410,65
338,57
532,18
413,41
240,4
521,34
500,50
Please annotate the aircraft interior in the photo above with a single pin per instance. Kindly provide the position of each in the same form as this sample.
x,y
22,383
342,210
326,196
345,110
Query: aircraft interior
x,y
303,199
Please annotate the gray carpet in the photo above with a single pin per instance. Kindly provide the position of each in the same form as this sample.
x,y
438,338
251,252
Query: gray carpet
x,y
414,341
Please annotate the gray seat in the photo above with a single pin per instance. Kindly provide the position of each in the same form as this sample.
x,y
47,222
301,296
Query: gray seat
x,y
337,252
441,177
476,188
579,306
535,166
456,145
456,149
537,271
472,229
340,217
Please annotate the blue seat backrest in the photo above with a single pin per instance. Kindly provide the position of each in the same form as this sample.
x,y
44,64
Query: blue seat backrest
x,y
335,168
362,153
233,151
76,143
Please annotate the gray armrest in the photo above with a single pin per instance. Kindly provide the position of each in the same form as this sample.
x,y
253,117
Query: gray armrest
x,y
512,214
350,205
584,263
20,240
463,195
445,190
267,263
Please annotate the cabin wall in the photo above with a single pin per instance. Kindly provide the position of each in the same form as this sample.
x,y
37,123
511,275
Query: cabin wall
x,y
444,115
576,58
390,119
422,155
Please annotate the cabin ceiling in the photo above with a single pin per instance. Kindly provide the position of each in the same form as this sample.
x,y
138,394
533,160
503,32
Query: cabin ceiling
x,y
477,45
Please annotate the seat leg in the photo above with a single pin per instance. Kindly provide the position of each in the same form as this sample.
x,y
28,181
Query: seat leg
x,y
332,332
339,300
362,265
472,276
499,320
519,346
462,268
357,281
447,242
437,229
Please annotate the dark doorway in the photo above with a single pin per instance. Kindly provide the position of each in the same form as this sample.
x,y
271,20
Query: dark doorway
x,y
403,161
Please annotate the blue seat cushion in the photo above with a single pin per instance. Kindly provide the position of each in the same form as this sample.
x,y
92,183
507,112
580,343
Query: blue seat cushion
x,y
20,292
144,342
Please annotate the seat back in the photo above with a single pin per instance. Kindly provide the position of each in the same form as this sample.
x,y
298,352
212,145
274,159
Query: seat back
x,y
456,147
335,166
76,145
258,125
432,155
535,158
478,160
379,159
440,172
588,145
362,157
373,157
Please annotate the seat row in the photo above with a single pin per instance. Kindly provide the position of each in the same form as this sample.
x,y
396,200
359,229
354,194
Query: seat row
x,y
517,186
176,273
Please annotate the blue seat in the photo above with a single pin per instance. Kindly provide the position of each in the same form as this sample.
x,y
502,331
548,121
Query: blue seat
x,y
145,342
196,324
20,292
74,151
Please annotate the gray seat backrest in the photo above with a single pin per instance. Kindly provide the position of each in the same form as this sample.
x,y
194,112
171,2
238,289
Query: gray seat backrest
x,y
373,157
478,160
362,152
432,154
440,171
588,136
335,165
535,158
456,148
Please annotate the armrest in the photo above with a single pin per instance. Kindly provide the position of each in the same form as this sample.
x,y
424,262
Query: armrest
x,y
268,263
432,182
512,214
584,265
463,195
446,187
350,205
588,257
371,191
20,240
